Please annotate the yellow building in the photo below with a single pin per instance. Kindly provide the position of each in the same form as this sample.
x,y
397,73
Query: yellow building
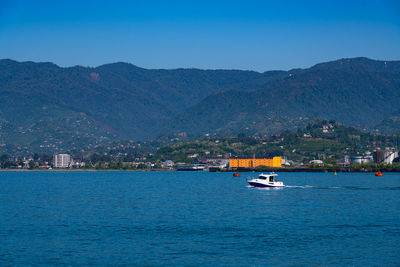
x,y
275,162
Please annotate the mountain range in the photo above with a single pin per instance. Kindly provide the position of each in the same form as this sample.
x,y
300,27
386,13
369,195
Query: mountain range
x,y
358,92
49,108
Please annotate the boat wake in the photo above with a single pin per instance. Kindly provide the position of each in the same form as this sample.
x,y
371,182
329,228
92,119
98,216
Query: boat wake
x,y
396,188
327,187
341,187
314,187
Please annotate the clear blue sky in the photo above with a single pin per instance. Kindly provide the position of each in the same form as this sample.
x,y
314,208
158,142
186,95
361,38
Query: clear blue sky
x,y
253,35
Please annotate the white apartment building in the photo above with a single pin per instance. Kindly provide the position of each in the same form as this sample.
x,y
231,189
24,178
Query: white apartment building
x,y
61,160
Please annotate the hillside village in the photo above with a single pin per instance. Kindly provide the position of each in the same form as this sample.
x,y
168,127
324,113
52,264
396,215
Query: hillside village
x,y
320,144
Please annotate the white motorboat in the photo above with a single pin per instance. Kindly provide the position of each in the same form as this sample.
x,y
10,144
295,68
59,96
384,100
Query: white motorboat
x,y
266,180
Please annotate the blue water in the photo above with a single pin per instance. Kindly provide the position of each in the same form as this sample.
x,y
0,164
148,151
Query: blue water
x,y
207,219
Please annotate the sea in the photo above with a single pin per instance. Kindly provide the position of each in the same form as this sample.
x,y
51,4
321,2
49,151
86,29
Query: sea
x,y
198,219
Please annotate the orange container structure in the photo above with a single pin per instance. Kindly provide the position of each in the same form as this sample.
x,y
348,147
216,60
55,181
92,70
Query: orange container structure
x,y
275,162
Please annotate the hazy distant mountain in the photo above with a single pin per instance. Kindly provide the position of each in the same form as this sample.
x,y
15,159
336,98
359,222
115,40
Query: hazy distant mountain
x,y
389,125
359,92
46,107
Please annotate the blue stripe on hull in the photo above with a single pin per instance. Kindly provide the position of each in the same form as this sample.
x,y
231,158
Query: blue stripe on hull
x,y
264,185
258,185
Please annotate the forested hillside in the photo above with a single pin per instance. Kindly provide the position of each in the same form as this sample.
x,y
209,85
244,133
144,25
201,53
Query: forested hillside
x,y
358,92
49,108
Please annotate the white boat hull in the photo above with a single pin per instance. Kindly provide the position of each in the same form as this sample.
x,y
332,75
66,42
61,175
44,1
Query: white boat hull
x,y
263,183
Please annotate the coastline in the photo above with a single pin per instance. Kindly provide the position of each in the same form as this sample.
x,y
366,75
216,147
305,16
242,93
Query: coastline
x,y
316,170
78,170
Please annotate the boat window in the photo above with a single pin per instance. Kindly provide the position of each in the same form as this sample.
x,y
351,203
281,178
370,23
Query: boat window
x,y
262,177
271,178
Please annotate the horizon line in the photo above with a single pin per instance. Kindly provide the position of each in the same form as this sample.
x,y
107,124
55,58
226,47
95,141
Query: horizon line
x,y
195,68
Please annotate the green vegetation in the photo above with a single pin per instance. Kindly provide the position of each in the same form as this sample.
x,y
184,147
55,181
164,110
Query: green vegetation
x,y
325,140
358,92
303,145
47,109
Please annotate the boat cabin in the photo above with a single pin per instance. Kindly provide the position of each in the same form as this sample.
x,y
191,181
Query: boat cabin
x,y
268,177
